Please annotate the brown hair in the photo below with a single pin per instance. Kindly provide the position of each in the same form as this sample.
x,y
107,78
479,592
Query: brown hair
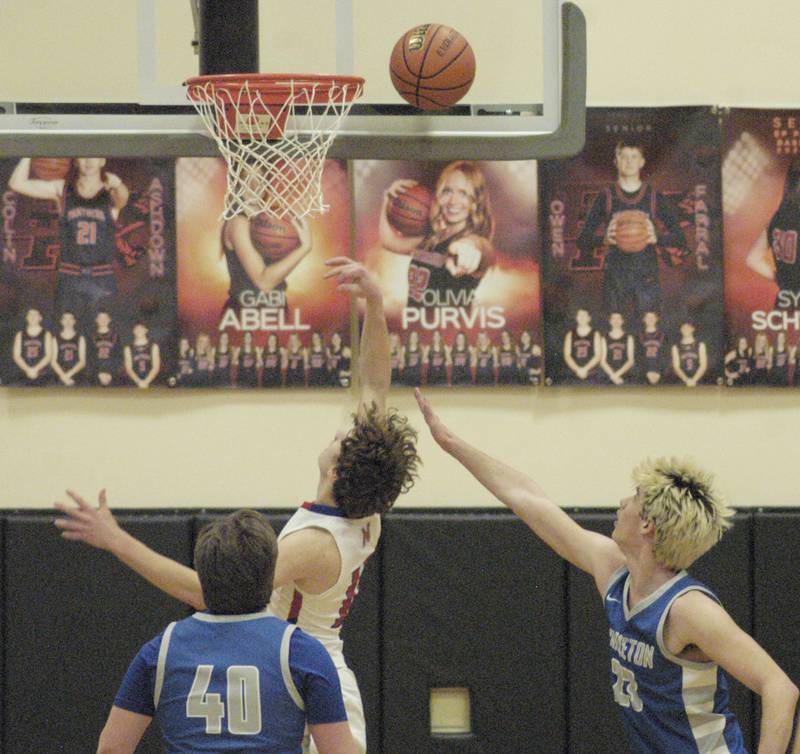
x,y
378,460
235,560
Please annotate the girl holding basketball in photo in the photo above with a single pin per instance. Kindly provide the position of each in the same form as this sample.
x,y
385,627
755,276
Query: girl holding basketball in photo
x,y
451,252
89,199
260,252
689,358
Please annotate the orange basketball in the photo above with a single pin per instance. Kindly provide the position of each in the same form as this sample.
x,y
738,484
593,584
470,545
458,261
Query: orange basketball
x,y
409,211
632,231
432,66
273,237
50,168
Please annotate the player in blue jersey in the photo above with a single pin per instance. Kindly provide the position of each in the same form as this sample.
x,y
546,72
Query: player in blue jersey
x,y
326,543
232,678
670,639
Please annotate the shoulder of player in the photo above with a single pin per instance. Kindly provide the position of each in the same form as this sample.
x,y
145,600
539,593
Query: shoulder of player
x,y
307,551
695,616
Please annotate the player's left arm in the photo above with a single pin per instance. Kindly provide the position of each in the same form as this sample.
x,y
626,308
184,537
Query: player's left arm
x,y
118,191
375,362
673,236
695,619
122,732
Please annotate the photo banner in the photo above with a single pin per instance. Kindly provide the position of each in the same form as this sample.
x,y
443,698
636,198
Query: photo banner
x,y
632,251
761,203
454,246
253,306
88,272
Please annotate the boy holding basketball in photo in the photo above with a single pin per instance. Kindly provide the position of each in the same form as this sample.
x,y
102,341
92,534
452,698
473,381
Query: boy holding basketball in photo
x,y
325,545
629,211
670,639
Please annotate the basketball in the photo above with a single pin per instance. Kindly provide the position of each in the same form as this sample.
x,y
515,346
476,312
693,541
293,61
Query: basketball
x,y
409,211
432,66
632,231
50,168
273,237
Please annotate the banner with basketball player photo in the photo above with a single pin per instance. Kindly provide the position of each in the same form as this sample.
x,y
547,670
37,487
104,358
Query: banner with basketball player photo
x,y
87,277
632,251
253,306
454,246
761,205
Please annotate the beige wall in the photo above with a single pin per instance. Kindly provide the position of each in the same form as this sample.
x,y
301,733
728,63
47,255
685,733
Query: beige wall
x,y
222,449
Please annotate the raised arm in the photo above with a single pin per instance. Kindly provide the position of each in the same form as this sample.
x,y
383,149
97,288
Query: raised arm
x,y
98,527
589,551
375,363
21,182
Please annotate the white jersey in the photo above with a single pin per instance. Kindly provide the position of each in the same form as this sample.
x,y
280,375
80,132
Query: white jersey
x,y
322,615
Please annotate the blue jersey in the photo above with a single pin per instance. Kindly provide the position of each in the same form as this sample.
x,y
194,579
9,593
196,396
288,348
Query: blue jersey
x,y
218,683
668,704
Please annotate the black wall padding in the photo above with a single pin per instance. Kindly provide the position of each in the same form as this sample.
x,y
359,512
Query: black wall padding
x,y
476,601
776,589
727,569
594,717
74,619
361,634
594,722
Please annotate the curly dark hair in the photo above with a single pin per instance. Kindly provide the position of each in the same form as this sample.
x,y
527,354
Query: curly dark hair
x,y
378,460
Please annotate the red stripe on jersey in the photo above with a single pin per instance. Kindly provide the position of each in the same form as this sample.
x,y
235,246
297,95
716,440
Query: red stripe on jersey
x,y
294,610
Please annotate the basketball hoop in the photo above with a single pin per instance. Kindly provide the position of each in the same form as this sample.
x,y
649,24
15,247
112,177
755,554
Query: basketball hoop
x,y
274,131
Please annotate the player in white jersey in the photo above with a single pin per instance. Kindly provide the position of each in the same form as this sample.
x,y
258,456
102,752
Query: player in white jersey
x,y
323,548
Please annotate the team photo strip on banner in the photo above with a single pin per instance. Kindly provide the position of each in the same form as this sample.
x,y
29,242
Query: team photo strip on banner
x,y
88,272
454,246
761,205
253,307
632,251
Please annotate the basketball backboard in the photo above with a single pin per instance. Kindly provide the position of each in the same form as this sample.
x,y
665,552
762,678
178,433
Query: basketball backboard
x,y
104,76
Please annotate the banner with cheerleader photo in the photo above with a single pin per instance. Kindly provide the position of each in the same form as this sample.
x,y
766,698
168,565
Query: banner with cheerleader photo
x,y
454,246
761,204
632,251
87,271
254,309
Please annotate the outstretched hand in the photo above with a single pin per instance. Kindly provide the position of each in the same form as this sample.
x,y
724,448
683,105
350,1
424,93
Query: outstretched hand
x,y
439,431
85,523
353,277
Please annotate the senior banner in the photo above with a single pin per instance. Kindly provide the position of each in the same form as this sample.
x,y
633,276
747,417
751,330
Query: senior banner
x,y
454,246
632,251
761,204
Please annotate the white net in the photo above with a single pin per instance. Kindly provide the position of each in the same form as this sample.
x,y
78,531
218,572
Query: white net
x,y
274,139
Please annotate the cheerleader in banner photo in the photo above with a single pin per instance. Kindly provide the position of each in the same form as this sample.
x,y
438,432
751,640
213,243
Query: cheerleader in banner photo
x,y
89,199
583,347
617,350
450,259
69,351
339,358
33,350
739,363
652,349
437,359
142,357
689,356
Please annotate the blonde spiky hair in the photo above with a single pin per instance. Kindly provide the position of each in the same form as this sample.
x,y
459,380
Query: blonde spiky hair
x,y
689,516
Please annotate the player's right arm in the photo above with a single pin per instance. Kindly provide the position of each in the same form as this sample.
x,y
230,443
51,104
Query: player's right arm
x,y
98,527
21,182
375,361
265,277
591,552
588,238
390,239
122,732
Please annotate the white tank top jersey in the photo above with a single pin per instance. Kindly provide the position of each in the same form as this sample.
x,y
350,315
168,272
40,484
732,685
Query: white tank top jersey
x,y
322,615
